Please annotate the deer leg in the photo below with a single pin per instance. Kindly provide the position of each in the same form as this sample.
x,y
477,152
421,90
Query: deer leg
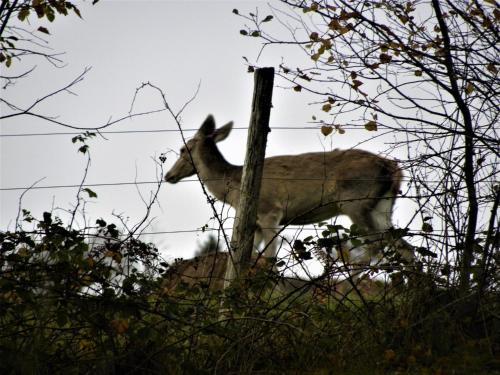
x,y
257,238
381,219
360,258
269,225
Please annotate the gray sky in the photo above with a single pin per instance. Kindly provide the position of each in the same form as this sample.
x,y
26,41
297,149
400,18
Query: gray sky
x,y
175,45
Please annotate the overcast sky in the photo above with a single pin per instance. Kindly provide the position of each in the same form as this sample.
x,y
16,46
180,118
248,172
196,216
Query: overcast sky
x,y
175,45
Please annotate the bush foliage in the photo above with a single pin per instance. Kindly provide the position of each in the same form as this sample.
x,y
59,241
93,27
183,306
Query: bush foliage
x,y
70,306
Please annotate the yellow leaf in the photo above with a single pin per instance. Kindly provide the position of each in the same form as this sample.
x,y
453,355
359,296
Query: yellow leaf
x,y
327,107
371,125
326,130
469,88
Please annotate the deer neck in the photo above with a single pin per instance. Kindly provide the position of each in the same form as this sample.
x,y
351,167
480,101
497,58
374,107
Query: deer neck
x,y
220,177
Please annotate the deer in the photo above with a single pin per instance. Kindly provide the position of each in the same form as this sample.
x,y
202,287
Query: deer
x,y
301,189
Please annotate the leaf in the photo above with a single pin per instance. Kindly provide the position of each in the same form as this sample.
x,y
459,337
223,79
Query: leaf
x,y
418,73
23,13
43,30
77,12
427,228
371,125
120,325
297,88
469,88
340,130
243,32
268,18
49,13
90,192
385,58
356,83
83,149
492,68
235,11
100,222
315,56
326,130
255,33
314,36
326,107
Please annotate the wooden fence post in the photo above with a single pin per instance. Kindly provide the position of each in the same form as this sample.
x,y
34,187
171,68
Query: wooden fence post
x,y
246,212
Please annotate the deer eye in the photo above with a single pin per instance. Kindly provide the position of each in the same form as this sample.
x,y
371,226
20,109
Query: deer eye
x,y
183,150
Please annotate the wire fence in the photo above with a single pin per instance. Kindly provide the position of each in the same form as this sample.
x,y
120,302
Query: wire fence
x,y
315,127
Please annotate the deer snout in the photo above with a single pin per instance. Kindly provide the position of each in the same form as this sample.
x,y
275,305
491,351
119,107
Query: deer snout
x,y
171,178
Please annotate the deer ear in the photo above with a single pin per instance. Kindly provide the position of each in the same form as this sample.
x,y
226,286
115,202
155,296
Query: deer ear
x,y
222,133
208,127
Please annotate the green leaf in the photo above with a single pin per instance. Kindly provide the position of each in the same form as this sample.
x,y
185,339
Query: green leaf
x,y
235,11
243,32
327,107
91,194
255,33
23,13
49,13
268,18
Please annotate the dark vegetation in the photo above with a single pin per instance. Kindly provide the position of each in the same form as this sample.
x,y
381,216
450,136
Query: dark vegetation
x,y
66,307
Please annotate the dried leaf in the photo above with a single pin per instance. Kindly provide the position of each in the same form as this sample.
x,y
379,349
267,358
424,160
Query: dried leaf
x,y
385,58
326,130
469,88
371,125
326,107
43,30
492,68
